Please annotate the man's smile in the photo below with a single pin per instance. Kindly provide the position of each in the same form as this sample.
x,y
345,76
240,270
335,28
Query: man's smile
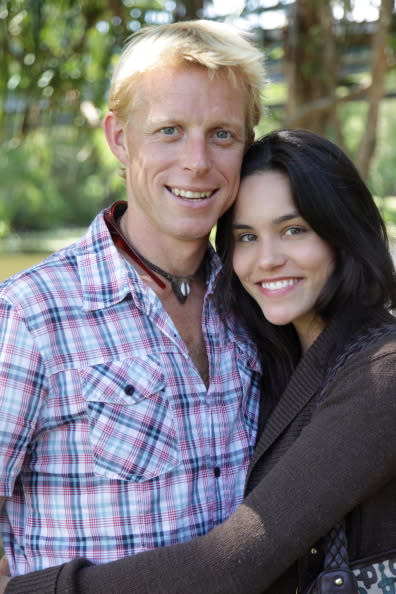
x,y
179,192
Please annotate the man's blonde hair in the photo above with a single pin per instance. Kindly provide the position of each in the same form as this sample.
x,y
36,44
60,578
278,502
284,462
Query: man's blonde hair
x,y
208,44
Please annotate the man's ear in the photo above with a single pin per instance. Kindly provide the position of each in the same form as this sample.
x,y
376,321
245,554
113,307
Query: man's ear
x,y
114,131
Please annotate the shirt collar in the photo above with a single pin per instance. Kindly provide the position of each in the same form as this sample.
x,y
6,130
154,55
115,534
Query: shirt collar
x,y
106,278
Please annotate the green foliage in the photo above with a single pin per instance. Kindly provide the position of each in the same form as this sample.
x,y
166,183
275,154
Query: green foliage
x,y
29,197
57,53
60,177
382,177
56,58
383,169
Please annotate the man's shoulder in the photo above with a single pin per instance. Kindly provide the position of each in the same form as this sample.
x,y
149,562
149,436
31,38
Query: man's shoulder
x,y
55,274
59,276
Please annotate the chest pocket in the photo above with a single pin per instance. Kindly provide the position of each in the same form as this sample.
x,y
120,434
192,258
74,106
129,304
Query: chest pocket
x,y
132,429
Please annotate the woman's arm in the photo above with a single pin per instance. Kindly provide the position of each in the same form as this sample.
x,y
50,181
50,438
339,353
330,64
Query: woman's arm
x,y
327,471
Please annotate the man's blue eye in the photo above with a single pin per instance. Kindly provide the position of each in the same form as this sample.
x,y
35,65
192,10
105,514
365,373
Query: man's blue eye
x,y
169,130
223,134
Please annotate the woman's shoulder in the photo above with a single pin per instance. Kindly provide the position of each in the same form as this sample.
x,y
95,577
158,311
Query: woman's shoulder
x,y
376,341
370,356
371,340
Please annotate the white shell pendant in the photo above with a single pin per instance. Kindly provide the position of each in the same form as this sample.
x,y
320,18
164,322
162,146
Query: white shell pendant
x,y
181,289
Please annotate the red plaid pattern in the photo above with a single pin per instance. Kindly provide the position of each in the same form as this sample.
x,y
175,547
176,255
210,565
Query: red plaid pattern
x,y
110,444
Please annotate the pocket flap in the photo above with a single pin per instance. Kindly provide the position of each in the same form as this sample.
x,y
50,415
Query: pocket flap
x,y
122,382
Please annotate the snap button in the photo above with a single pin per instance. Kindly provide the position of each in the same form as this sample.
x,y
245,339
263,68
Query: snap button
x,y
217,472
129,389
338,581
314,551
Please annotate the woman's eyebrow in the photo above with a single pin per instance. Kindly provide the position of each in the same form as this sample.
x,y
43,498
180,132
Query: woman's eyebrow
x,y
286,217
241,226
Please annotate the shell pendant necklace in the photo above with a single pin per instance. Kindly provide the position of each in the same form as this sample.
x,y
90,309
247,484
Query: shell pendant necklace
x,y
181,285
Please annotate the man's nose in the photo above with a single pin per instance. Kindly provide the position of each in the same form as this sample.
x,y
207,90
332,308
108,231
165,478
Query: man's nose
x,y
196,154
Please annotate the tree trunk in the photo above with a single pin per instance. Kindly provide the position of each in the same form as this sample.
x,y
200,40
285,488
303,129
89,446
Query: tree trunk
x,y
311,64
188,10
376,91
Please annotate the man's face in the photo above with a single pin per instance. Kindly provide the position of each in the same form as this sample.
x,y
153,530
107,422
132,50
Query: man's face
x,y
182,150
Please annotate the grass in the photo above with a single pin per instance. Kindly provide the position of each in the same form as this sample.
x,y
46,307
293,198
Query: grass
x,y
11,263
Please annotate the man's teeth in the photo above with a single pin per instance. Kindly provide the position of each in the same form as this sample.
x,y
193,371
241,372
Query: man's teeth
x,y
279,284
189,194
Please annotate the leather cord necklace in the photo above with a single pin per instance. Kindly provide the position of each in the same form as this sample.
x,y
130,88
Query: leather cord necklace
x,y
181,285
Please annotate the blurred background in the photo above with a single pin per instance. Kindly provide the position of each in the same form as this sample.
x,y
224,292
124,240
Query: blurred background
x,y
331,68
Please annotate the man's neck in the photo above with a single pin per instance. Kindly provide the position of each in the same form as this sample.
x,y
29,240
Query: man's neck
x,y
3,583
175,256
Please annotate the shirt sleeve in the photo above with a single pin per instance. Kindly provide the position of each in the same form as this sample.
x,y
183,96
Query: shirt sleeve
x,y
22,385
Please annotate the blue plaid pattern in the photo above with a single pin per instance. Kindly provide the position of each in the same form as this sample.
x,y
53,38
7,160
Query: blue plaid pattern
x,y
110,443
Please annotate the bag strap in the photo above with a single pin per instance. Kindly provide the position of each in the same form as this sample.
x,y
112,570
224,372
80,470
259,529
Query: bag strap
x,y
336,576
336,548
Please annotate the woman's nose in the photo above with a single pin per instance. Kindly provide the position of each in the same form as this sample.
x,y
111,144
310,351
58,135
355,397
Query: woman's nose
x,y
271,254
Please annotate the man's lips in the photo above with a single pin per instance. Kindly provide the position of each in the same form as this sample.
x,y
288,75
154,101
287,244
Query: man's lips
x,y
191,194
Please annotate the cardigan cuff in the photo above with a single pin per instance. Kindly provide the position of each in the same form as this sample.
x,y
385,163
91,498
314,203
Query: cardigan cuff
x,y
61,579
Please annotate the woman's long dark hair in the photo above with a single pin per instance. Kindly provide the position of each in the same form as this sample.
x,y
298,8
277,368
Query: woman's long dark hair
x,y
330,195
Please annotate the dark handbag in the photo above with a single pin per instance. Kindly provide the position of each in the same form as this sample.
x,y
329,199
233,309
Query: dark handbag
x,y
374,575
337,576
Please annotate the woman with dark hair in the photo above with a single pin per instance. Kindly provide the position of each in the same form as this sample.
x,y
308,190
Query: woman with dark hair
x,y
329,194
314,284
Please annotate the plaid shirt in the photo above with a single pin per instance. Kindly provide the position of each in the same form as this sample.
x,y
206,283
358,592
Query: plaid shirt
x,y
110,443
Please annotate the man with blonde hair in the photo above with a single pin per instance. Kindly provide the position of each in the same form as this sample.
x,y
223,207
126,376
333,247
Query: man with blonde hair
x,y
129,409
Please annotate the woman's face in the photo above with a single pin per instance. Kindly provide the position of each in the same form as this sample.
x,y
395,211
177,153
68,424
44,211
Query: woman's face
x,y
282,263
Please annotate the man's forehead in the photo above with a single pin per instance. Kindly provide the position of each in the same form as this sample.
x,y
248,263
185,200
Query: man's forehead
x,y
190,95
172,82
